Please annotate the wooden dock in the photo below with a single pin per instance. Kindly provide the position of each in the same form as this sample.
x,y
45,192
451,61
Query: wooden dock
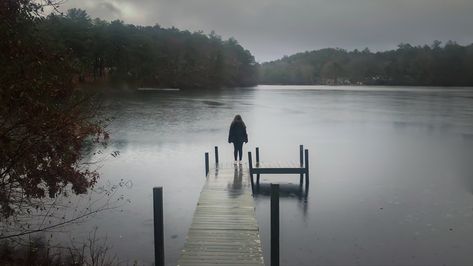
x,y
224,229
301,168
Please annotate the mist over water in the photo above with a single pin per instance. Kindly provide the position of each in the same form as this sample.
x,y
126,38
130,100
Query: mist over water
x,y
391,170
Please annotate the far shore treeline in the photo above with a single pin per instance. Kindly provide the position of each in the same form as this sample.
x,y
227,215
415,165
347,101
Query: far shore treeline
x,y
168,57
433,65
149,55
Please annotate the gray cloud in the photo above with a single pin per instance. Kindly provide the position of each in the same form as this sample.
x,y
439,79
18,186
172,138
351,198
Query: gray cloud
x,y
110,8
270,29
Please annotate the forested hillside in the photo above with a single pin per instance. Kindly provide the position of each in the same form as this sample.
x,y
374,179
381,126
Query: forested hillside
x,y
149,55
439,65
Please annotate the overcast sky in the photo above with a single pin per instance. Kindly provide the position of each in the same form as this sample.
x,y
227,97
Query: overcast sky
x,y
273,28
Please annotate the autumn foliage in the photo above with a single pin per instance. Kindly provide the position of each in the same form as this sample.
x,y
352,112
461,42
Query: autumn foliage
x,y
45,124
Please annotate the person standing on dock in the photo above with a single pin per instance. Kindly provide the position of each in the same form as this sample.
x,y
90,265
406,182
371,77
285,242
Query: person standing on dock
x,y
237,136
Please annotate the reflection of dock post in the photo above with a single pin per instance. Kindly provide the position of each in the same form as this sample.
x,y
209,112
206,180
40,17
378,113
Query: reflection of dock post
x,y
274,224
158,226
207,164
216,155
257,164
301,162
306,167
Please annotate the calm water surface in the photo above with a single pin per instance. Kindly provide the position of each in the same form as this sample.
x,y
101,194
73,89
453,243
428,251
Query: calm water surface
x,y
391,170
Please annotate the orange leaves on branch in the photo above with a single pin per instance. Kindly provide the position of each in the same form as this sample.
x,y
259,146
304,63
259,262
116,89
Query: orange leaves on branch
x,y
45,125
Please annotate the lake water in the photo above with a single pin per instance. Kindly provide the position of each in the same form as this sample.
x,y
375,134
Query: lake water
x,y
391,170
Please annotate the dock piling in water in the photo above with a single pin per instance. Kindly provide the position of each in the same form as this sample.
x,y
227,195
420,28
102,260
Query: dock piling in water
x,y
158,226
306,167
207,164
250,165
216,155
301,161
257,164
274,224
301,155
257,155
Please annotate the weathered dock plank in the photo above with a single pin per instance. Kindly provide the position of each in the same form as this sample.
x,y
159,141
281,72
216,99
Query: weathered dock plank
x,y
224,229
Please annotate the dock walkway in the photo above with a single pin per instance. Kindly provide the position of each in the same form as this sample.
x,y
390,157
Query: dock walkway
x,y
224,229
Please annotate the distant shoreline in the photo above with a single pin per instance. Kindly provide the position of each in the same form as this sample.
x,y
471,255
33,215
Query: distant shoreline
x,y
131,87
366,88
158,89
368,85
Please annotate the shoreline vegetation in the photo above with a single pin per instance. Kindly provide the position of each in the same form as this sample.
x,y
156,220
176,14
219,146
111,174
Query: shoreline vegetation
x,y
49,131
427,65
155,57
148,56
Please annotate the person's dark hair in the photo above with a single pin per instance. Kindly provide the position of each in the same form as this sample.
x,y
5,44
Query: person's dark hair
x,y
238,120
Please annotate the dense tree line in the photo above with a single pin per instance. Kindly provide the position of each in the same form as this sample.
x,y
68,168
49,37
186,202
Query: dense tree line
x,y
150,55
447,65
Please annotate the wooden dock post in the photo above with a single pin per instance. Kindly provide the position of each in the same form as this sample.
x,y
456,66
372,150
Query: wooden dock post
x,y
250,164
301,161
207,164
257,155
158,226
216,155
257,164
274,224
306,167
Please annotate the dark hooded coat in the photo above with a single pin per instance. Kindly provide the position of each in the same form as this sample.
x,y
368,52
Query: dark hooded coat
x,y
237,132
